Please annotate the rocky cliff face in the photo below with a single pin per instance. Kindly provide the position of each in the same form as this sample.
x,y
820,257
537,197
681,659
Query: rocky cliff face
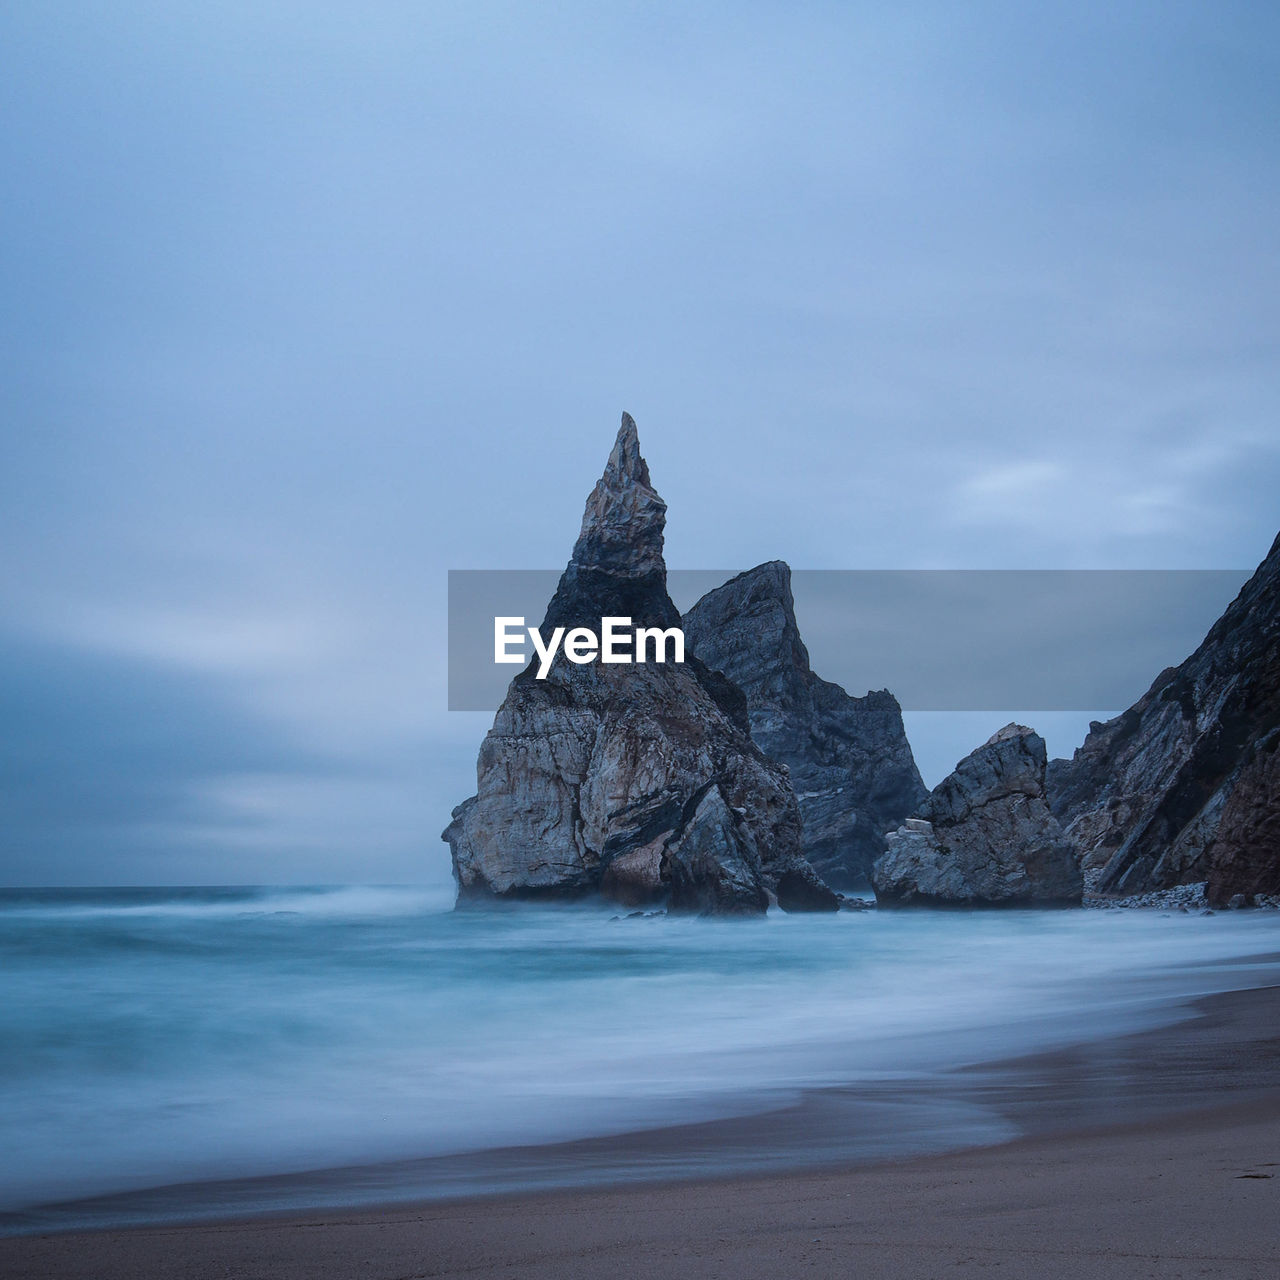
x,y
850,763
639,782
984,837
1181,787
1245,854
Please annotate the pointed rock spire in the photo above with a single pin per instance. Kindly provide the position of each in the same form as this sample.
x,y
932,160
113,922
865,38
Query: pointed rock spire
x,y
850,762
624,519
625,459
636,781
617,567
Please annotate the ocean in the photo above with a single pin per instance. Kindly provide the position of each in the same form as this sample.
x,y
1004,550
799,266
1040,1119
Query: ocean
x,y
184,1052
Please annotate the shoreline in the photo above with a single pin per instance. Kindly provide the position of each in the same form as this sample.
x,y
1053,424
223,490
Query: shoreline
x,y
985,1103
1085,1111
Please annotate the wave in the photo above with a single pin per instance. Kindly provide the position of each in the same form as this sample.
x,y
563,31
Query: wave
x,y
159,1036
226,900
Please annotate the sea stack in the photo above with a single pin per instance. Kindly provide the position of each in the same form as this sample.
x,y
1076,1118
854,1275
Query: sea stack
x,y
1184,786
637,782
984,837
850,763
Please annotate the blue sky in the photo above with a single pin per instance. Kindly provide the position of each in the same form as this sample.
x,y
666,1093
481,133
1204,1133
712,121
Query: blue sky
x,y
306,305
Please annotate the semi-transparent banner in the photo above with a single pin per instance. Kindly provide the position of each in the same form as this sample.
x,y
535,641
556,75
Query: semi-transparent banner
x,y
940,640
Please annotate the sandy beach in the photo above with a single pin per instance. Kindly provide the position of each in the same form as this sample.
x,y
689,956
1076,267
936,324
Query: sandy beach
x,y
1188,1190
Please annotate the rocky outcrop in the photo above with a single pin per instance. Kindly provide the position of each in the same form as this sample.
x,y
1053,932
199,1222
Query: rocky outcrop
x,y
984,837
639,782
1245,855
1181,787
850,763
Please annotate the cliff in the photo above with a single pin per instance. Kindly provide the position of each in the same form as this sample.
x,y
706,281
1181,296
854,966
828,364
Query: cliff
x,y
1182,786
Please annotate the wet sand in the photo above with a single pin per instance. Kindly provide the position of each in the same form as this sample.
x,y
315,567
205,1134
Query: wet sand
x,y
1191,1189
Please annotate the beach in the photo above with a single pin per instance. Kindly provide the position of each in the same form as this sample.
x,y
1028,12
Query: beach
x,y
641,641
1185,1186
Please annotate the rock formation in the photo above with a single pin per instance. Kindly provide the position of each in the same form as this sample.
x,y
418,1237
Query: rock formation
x,y
1183,786
851,766
639,782
1245,855
984,837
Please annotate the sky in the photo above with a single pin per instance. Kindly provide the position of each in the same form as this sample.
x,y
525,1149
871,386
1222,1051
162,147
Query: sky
x,y
307,304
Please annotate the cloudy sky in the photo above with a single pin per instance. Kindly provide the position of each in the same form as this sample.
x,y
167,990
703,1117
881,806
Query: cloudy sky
x,y
306,304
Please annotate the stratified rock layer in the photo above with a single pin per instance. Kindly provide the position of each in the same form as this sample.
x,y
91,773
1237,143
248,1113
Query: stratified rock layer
x,y
1182,786
1245,855
984,837
850,762
639,781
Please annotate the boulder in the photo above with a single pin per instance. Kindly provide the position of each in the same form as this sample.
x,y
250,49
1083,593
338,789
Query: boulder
x,y
984,837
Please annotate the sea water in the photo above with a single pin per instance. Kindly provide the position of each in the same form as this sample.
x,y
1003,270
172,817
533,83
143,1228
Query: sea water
x,y
152,1037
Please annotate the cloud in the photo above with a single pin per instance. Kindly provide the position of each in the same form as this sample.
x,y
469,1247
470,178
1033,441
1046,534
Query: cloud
x,y
106,755
307,307
1009,491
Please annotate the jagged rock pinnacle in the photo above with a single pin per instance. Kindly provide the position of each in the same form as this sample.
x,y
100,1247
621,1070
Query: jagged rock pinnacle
x,y
851,765
625,457
637,781
617,567
624,519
